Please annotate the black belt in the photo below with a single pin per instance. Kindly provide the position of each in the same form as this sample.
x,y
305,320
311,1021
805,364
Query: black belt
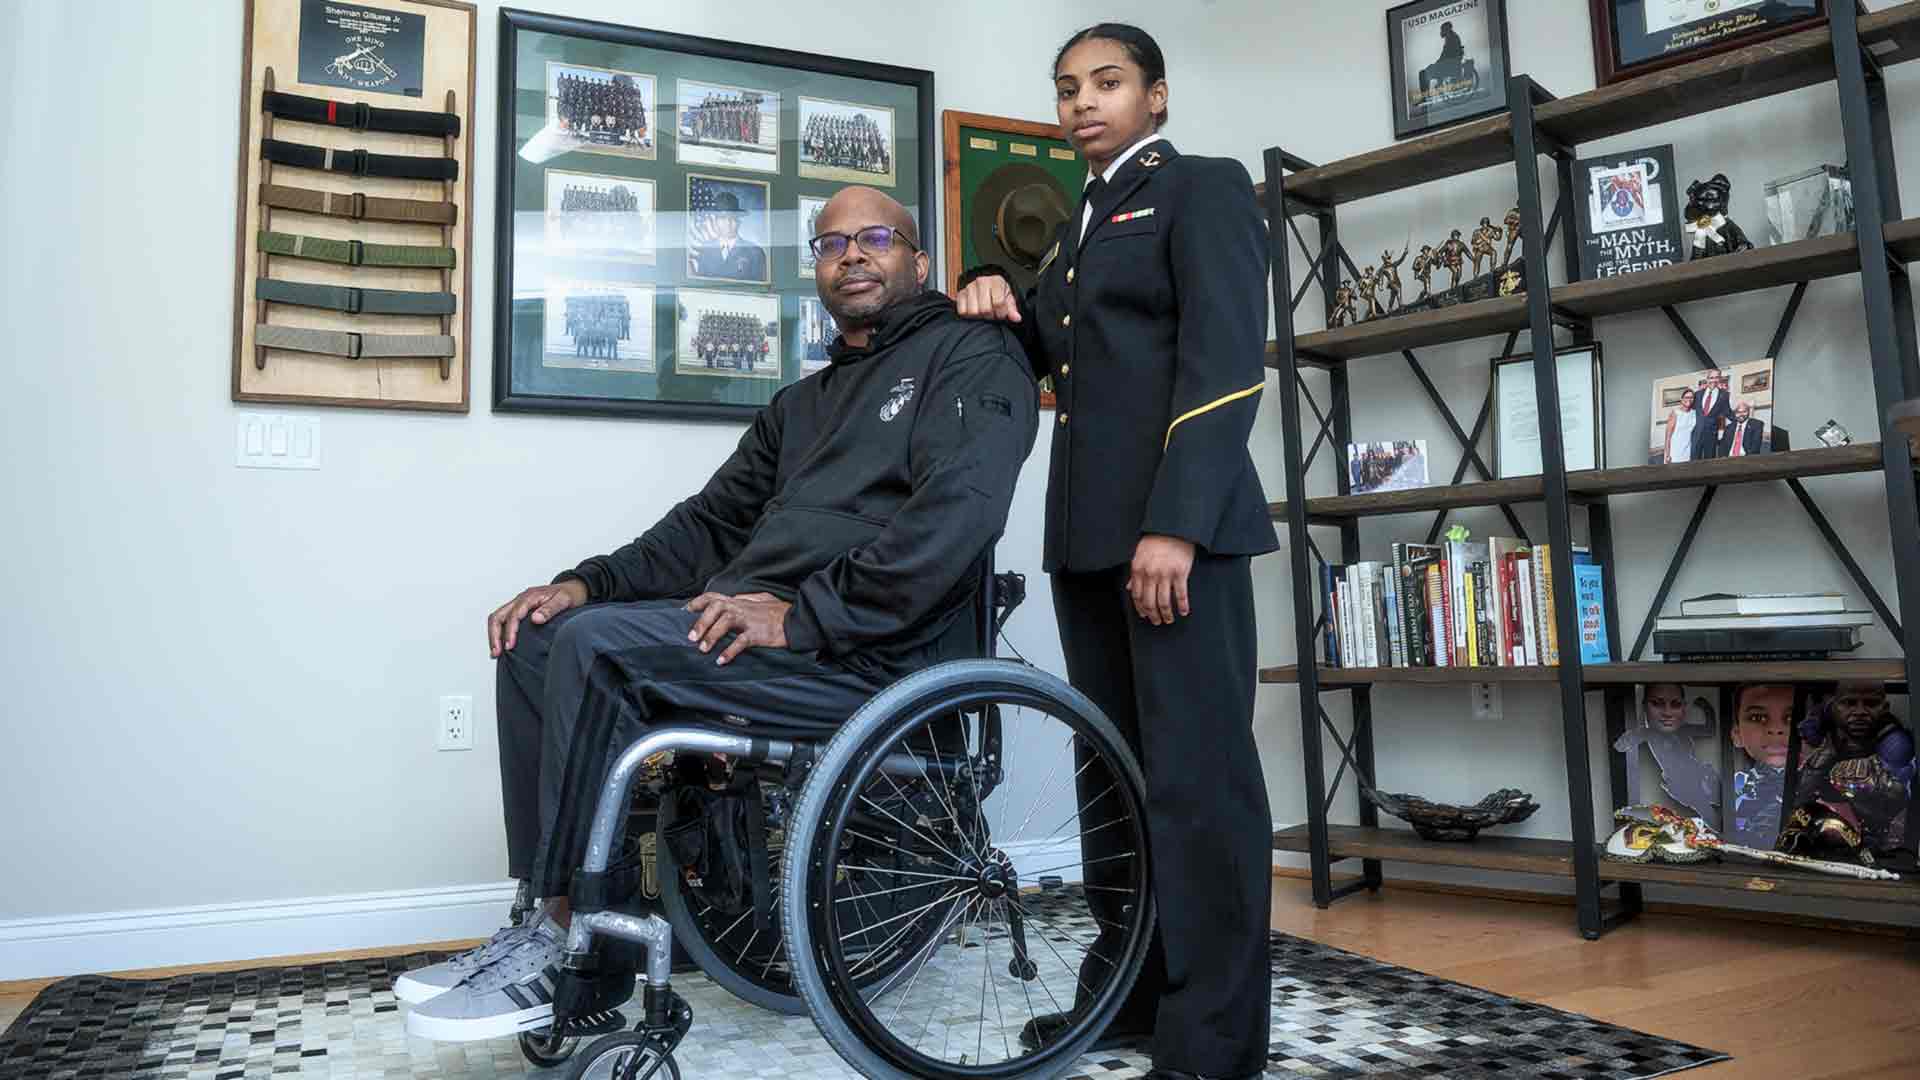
x,y
359,162
359,115
353,301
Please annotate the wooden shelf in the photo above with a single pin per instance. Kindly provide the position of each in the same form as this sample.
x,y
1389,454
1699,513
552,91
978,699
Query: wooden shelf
x,y
1746,74
1820,461
1526,855
1601,675
1725,275
1489,851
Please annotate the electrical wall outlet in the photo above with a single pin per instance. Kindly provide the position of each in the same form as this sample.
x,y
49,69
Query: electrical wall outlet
x,y
453,727
1486,700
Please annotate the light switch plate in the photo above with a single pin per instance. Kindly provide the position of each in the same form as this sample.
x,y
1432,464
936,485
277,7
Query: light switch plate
x,y
276,441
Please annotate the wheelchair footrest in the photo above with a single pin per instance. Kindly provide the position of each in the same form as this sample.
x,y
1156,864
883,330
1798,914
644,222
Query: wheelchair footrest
x,y
584,997
600,1023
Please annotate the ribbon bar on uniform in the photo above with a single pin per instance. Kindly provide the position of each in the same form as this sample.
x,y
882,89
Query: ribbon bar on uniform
x,y
353,301
359,162
358,206
356,253
359,115
351,345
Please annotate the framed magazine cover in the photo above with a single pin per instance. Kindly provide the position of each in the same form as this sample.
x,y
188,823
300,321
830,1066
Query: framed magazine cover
x,y
656,193
1447,63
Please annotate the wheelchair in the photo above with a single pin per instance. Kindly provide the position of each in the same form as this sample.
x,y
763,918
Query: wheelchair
x,y
910,889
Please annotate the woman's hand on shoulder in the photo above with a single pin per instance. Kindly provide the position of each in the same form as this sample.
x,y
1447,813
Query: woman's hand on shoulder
x,y
989,297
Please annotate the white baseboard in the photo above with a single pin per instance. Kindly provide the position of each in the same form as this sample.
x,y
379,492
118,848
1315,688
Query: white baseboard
x,y
216,933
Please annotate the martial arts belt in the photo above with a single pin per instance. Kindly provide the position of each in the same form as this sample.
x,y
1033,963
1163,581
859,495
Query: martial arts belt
x,y
359,116
351,345
357,206
354,252
353,301
359,162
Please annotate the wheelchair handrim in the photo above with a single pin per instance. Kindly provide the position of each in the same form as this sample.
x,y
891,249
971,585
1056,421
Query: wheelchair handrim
x,y
854,1007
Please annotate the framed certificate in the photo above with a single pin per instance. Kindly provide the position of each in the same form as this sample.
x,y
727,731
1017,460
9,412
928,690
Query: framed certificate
x,y
1633,37
1516,417
656,196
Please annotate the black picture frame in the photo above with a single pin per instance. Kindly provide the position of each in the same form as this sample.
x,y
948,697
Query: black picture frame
x,y
1519,367
1625,46
1413,114
523,381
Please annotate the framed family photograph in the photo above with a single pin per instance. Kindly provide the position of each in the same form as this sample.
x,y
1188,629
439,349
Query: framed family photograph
x,y
657,193
1516,414
1447,63
1633,37
1713,413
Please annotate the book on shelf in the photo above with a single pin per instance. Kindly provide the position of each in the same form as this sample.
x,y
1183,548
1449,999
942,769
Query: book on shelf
x,y
1589,589
1762,604
1733,642
1763,622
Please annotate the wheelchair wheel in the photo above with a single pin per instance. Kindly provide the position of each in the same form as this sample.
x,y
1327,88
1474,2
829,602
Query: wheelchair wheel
x,y
752,964
624,1055
1004,938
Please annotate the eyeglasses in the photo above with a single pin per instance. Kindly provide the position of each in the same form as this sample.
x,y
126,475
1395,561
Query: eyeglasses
x,y
874,240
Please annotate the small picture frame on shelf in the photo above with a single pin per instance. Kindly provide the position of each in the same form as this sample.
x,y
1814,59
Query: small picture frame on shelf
x,y
1386,466
1516,421
1712,413
1447,63
1633,37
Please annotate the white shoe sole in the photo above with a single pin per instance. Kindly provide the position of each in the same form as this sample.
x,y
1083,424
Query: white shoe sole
x,y
414,992
477,1028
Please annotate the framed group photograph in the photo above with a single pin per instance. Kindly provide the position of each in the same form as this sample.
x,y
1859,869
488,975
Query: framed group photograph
x,y
657,193
1633,37
1516,415
1447,63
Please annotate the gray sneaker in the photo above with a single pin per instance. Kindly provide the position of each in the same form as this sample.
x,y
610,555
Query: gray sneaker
x,y
417,987
512,993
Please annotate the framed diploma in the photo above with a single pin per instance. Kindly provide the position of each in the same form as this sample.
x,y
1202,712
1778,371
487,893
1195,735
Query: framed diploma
x,y
1633,37
1516,417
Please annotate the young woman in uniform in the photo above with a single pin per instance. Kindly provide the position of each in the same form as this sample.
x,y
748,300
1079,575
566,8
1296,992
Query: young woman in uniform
x,y
1150,317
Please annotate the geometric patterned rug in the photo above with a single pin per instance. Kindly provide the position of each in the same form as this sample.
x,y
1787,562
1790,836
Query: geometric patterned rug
x,y
1335,1014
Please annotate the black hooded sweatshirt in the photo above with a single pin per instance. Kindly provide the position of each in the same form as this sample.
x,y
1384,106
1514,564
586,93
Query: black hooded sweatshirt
x,y
865,494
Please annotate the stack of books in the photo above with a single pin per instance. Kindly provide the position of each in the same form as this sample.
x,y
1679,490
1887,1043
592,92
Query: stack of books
x,y
1457,604
1759,626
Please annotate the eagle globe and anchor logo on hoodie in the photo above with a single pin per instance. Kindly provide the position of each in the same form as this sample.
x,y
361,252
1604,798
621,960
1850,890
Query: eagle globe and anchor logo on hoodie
x,y
896,400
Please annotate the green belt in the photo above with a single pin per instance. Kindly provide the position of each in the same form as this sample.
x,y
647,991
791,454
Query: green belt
x,y
351,345
357,205
353,301
355,253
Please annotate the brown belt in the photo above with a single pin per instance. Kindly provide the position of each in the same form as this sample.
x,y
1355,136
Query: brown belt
x,y
357,206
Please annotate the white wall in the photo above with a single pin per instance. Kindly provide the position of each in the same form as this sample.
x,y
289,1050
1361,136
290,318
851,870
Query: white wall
x,y
220,682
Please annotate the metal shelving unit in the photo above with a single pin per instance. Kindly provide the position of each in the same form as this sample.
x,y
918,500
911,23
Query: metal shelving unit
x,y
1850,52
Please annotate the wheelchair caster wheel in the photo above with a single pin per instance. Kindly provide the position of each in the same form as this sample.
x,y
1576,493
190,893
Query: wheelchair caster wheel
x,y
1024,970
545,1050
625,1055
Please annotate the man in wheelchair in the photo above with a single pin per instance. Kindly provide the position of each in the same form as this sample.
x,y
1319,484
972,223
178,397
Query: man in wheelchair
x,y
836,550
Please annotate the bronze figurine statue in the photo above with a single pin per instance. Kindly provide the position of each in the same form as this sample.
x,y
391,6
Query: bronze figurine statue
x,y
1483,245
1343,305
1424,264
1369,285
1390,275
1453,256
1513,235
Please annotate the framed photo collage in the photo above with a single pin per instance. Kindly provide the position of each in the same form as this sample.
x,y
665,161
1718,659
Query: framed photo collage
x,y
657,195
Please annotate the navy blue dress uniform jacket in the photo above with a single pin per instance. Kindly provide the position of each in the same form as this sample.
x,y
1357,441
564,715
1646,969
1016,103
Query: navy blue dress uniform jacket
x,y
1154,329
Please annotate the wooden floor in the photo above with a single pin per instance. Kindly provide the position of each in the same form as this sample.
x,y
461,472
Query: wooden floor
x,y
1787,1002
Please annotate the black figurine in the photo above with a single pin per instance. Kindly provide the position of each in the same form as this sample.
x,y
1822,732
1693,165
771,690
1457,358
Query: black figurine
x,y
1709,231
